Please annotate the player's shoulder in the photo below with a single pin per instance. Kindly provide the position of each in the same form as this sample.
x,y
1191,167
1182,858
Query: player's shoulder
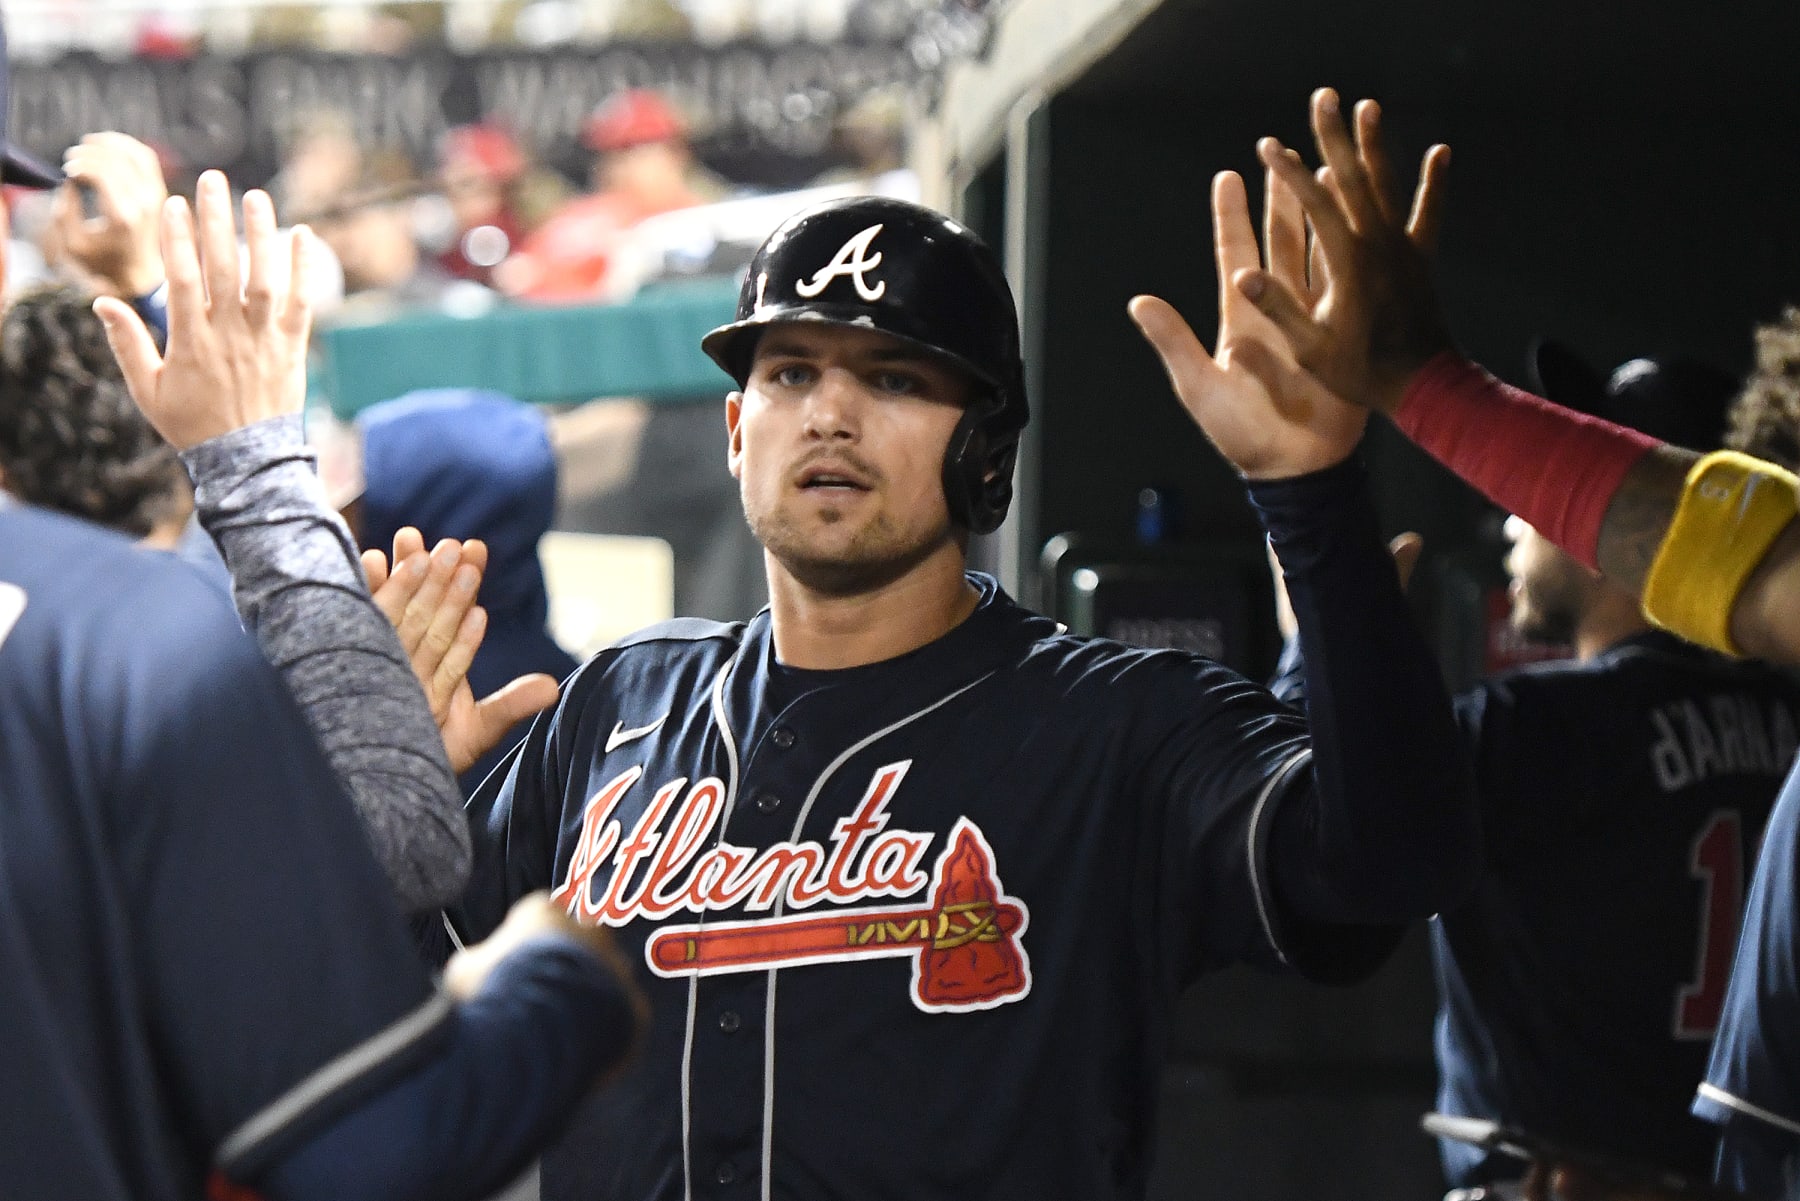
x,y
661,655
1116,671
1545,676
677,636
142,639
77,580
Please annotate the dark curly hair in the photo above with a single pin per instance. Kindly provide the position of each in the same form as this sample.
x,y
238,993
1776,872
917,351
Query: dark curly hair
x,y
1765,418
70,437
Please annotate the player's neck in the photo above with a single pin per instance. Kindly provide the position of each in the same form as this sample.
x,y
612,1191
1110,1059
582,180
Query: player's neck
x,y
1611,619
818,631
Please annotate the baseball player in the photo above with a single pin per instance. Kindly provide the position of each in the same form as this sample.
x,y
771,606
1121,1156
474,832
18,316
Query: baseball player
x,y
1707,543
1624,793
912,876
205,985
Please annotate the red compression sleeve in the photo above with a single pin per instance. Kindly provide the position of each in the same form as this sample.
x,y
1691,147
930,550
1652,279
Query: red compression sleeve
x,y
1553,467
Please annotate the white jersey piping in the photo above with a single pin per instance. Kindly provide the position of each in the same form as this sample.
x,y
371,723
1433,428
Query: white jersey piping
x,y
1713,1092
389,1043
693,1001
1256,881
768,1130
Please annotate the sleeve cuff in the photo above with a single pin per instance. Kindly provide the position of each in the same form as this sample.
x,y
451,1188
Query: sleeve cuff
x,y
1296,506
234,452
334,1088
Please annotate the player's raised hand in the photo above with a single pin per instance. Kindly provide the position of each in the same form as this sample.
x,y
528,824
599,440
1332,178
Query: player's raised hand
x,y
237,332
1267,415
1377,319
430,599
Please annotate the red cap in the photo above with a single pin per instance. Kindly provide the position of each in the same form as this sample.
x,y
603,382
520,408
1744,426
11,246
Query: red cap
x,y
487,146
631,119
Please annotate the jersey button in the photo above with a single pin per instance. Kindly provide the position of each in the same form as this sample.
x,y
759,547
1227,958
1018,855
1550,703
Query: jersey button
x,y
767,802
729,1021
782,737
726,1172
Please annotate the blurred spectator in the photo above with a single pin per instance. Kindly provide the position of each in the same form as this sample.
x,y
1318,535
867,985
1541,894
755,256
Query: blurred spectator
x,y
869,139
478,168
461,463
104,220
1765,418
321,165
361,205
643,167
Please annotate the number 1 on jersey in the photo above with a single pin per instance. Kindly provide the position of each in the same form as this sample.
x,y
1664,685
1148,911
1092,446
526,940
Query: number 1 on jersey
x,y
1718,862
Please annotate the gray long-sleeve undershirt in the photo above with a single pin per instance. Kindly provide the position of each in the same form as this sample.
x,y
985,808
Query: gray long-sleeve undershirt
x,y
300,589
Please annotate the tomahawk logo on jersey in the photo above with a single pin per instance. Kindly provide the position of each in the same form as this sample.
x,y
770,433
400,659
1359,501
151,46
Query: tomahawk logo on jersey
x,y
965,941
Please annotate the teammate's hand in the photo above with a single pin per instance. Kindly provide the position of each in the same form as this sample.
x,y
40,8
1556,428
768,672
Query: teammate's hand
x,y
1376,320
237,341
1267,415
534,916
430,599
119,244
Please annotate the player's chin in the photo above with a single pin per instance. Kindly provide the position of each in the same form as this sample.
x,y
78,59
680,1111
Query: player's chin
x,y
849,566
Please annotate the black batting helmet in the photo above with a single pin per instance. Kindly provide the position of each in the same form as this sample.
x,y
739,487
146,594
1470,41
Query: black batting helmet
x,y
874,263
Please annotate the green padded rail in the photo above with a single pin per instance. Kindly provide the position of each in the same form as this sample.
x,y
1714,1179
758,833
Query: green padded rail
x,y
648,347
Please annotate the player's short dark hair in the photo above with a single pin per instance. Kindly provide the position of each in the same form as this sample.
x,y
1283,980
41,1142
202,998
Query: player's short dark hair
x,y
70,437
1765,419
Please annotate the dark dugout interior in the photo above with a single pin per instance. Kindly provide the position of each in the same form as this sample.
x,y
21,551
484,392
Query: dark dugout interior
x,y
1625,177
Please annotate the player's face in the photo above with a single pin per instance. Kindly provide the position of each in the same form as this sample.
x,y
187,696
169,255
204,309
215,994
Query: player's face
x,y
837,443
1548,587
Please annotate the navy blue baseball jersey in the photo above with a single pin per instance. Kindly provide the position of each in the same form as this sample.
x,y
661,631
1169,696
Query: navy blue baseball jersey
x,y
1623,798
1752,1084
914,929
148,853
204,979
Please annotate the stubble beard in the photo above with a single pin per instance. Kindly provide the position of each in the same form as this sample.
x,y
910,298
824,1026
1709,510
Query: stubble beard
x,y
875,555
1546,620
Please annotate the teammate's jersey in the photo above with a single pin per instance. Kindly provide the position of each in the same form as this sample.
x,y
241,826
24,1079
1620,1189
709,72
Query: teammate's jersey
x,y
1753,1078
1623,800
150,857
911,929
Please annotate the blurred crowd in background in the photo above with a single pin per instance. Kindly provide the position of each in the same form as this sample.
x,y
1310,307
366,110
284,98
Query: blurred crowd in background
x,y
173,28
482,221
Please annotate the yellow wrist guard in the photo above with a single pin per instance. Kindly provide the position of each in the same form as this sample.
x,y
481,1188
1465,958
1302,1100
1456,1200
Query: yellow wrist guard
x,y
1732,509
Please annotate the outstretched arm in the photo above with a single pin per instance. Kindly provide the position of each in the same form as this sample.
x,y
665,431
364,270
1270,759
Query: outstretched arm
x,y
1385,829
1605,494
228,395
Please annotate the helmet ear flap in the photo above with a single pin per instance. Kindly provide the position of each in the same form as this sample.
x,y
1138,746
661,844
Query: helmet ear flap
x,y
978,474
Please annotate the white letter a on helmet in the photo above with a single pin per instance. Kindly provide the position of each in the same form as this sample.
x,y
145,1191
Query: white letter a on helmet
x,y
852,259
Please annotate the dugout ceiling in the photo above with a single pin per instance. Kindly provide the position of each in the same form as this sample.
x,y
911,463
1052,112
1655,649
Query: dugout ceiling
x,y
1624,176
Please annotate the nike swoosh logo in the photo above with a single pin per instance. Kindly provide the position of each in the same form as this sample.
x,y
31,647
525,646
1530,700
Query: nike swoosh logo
x,y
620,735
